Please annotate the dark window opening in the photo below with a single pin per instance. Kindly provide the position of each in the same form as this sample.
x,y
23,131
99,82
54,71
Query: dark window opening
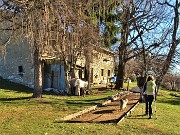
x,y
20,70
109,72
102,72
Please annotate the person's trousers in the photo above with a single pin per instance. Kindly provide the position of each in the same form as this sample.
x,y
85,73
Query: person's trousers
x,y
149,99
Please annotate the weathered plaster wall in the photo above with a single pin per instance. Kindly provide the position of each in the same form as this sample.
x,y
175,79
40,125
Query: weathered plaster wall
x,y
18,53
103,61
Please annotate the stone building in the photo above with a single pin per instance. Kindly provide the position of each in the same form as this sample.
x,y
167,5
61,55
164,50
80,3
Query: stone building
x,y
102,66
16,64
17,61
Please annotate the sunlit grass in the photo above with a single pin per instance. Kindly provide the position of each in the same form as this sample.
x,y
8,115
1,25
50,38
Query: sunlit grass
x,y
167,114
131,85
22,115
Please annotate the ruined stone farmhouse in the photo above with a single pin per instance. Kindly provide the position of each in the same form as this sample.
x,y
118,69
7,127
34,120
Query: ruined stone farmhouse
x,y
16,64
17,58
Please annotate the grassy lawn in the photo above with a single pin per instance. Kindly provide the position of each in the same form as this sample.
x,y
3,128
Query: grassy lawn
x,y
22,115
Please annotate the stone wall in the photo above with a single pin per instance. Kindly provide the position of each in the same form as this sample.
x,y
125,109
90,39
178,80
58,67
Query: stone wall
x,y
17,63
103,63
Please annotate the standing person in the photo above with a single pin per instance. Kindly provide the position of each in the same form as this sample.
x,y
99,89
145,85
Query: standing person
x,y
150,92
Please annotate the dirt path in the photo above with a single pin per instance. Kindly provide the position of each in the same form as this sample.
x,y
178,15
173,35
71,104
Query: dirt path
x,y
109,113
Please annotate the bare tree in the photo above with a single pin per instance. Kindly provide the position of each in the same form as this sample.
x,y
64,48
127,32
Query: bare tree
x,y
173,42
57,30
171,82
163,56
137,19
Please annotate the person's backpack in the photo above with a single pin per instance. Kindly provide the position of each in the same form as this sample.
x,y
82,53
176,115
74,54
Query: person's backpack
x,y
150,87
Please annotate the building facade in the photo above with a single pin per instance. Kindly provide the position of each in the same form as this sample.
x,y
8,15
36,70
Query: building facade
x,y
16,65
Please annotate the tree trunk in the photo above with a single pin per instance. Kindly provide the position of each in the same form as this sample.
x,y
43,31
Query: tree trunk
x,y
89,77
123,55
37,75
68,91
121,66
120,75
88,61
67,78
88,73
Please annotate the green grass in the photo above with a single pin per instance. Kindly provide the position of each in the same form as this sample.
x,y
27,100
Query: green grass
x,y
22,115
167,114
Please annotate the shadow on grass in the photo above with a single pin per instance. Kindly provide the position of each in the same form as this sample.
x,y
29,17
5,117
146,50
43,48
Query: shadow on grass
x,y
172,101
140,116
13,99
11,86
82,103
100,88
86,102
29,101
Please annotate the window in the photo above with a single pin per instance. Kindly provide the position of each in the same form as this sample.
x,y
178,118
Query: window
x,y
109,72
20,70
102,72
